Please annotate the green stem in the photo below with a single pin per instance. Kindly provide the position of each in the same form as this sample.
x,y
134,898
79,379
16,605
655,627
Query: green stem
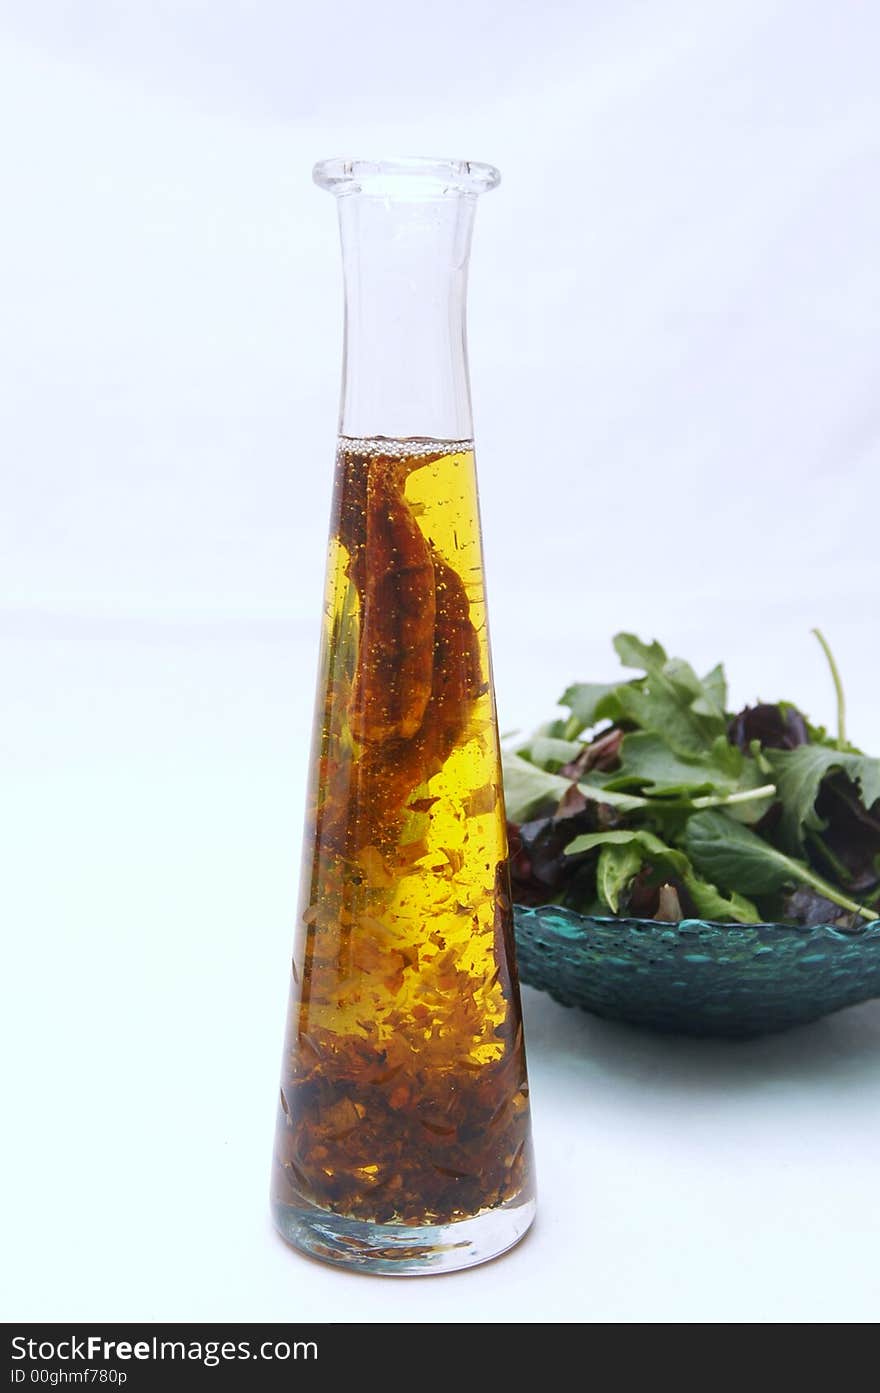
x,y
709,800
745,795
838,687
830,892
841,872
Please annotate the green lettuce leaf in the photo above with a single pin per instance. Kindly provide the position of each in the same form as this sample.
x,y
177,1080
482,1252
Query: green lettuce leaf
x,y
648,762
589,703
622,855
798,775
711,903
527,789
549,751
735,857
618,864
714,697
655,850
664,702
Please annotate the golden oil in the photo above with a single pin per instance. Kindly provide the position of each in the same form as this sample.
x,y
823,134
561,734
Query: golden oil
x,y
404,1095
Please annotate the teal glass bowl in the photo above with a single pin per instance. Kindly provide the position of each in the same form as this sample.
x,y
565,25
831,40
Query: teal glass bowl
x,y
697,978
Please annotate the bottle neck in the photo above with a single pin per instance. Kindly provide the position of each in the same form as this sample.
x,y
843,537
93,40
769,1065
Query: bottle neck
x,y
405,262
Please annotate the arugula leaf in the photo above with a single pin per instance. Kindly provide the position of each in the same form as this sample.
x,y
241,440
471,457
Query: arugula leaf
x,y
647,761
664,701
798,775
652,847
682,676
528,788
589,703
549,751
817,735
622,856
715,692
711,903
633,653
736,857
618,863
747,773
661,709
729,758
721,773
708,695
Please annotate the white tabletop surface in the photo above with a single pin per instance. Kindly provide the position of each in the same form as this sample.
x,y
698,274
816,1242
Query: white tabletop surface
x,y
674,333
152,830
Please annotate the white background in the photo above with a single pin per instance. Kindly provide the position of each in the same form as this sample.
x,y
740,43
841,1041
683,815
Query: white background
x,y
674,345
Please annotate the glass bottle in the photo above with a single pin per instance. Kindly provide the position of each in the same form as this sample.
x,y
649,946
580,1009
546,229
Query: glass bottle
x,y
403,1139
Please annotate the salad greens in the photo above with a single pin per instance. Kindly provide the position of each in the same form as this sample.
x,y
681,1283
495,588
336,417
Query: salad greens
x,y
650,798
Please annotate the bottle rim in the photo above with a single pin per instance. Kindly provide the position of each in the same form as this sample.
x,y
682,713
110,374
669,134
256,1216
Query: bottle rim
x,y
414,176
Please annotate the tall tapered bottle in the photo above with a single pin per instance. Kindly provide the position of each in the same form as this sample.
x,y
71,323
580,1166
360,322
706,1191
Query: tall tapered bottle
x,y
403,1139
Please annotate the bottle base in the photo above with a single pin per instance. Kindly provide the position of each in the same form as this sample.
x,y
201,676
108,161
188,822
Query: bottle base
x,y
404,1250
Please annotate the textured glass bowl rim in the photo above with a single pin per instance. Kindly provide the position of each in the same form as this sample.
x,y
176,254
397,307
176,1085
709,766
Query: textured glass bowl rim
x,y
724,980
867,927
420,176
